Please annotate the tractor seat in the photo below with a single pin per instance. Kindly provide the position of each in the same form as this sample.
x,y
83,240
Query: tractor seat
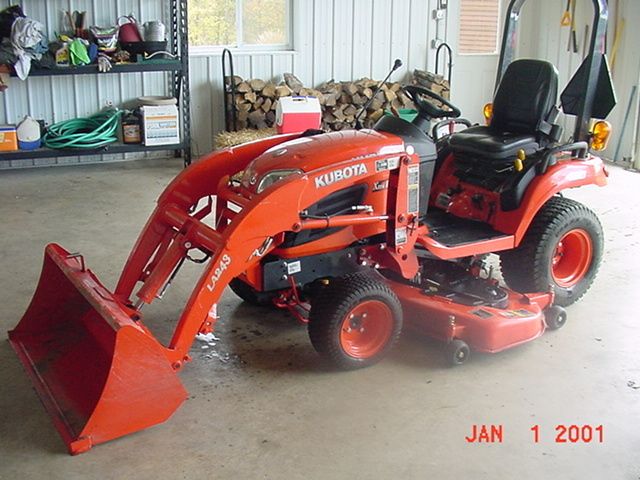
x,y
487,142
523,112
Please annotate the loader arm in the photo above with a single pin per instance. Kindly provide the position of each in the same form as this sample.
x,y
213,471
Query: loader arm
x,y
185,191
253,233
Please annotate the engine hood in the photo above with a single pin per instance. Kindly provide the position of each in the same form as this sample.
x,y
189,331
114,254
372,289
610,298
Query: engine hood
x,y
315,152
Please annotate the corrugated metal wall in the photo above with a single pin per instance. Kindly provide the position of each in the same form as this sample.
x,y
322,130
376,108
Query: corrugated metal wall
x,y
333,39
340,39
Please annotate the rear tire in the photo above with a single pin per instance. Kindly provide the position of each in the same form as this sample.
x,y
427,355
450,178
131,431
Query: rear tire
x,y
355,321
562,248
250,295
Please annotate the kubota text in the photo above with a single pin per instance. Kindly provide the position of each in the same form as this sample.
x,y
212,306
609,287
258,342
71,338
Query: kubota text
x,y
341,174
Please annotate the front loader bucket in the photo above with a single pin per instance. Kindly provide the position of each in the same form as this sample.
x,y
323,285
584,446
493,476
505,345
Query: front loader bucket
x,y
99,373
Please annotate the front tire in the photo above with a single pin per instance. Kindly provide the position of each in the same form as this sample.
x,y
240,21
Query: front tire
x,y
355,321
562,248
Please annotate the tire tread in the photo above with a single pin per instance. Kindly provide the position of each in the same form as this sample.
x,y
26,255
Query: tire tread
x,y
332,305
524,269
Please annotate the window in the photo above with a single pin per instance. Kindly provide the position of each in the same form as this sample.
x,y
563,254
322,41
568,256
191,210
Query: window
x,y
479,21
251,24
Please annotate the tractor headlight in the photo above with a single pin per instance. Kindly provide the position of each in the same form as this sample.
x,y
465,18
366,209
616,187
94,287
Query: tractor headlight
x,y
274,177
600,134
249,177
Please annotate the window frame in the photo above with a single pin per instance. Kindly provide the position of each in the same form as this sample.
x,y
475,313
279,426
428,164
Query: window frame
x,y
498,33
240,47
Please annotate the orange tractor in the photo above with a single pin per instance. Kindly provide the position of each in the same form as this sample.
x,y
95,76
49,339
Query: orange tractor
x,y
357,233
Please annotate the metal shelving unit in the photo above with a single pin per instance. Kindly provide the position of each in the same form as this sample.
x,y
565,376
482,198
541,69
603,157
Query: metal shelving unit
x,y
155,66
178,86
112,149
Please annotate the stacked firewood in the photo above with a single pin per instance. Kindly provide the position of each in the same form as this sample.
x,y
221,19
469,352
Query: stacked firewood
x,y
344,101
255,101
341,102
435,83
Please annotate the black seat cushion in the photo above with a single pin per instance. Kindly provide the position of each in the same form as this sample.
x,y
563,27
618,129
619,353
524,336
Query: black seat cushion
x,y
527,94
487,143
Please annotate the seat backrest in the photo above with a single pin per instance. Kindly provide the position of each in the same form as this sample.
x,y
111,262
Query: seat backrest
x,y
526,95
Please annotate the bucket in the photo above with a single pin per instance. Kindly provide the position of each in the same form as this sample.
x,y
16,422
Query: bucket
x,y
99,373
154,31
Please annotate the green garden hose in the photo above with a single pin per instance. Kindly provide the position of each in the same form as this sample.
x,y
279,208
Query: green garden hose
x,y
92,132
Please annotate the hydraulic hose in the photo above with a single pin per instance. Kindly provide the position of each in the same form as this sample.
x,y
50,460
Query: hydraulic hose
x,y
91,132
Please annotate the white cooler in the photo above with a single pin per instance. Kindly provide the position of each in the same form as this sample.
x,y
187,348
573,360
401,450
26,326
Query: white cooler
x,y
297,114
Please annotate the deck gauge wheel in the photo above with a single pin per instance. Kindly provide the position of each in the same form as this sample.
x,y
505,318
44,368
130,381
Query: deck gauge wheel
x,y
555,317
457,352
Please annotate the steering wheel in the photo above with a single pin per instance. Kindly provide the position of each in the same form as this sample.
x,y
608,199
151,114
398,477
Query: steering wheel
x,y
427,109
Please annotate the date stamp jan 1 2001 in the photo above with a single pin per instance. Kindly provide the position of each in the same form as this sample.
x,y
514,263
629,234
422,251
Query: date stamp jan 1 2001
x,y
495,433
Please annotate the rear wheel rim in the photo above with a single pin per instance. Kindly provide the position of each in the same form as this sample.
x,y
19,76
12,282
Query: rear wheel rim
x,y
366,329
572,258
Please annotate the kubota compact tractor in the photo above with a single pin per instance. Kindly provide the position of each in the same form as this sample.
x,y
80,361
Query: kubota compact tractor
x,y
355,232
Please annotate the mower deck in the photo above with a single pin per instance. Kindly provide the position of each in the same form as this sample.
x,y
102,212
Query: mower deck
x,y
485,328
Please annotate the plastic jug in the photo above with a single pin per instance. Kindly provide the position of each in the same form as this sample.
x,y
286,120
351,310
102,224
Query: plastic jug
x,y
28,134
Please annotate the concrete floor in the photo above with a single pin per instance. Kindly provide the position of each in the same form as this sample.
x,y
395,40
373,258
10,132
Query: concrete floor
x,y
261,404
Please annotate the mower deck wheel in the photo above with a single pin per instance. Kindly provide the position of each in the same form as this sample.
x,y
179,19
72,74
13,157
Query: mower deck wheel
x,y
555,317
457,352
355,321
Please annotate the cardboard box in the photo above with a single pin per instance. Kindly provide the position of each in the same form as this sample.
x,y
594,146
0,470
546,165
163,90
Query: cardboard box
x,y
161,125
297,114
8,138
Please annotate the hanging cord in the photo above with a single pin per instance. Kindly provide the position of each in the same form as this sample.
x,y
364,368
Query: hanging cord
x,y
92,132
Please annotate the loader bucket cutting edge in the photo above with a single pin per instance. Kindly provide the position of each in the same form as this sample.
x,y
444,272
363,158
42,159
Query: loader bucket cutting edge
x,y
99,374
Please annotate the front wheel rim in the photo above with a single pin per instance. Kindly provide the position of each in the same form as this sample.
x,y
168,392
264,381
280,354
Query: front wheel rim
x,y
366,329
572,258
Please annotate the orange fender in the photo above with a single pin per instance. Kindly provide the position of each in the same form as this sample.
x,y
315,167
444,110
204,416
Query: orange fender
x,y
565,174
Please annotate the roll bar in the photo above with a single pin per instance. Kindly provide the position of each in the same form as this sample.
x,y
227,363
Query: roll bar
x,y
593,60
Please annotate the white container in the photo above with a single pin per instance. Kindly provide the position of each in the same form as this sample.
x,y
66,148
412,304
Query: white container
x,y
297,114
161,125
28,134
154,31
